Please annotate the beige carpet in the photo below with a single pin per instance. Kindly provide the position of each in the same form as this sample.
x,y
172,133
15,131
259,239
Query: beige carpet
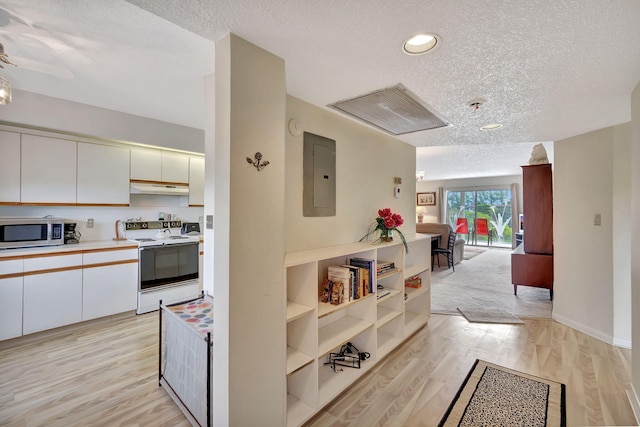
x,y
472,252
484,282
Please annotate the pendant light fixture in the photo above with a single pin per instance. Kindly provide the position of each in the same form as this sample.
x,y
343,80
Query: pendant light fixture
x,y
5,87
5,91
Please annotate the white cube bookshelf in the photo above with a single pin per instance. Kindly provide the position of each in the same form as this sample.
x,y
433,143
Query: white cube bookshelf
x,y
376,326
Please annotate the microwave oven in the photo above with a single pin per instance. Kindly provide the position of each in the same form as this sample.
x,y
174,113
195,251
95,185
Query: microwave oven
x,y
28,232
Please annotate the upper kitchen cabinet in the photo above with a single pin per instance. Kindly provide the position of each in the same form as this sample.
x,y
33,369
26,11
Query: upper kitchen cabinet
x,y
159,166
146,165
48,170
175,167
196,181
103,175
9,167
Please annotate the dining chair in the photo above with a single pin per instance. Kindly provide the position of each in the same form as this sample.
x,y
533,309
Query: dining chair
x,y
462,227
482,229
448,252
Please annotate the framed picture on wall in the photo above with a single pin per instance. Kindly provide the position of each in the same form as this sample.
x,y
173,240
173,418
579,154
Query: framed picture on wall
x,y
426,199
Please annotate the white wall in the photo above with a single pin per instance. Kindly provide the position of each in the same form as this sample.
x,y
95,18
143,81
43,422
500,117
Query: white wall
x,y
209,184
40,111
635,246
586,290
367,161
431,214
621,226
250,347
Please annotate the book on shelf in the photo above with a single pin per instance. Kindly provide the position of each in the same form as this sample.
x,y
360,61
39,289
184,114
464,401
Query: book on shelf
x,y
369,265
413,282
332,292
385,267
341,274
354,291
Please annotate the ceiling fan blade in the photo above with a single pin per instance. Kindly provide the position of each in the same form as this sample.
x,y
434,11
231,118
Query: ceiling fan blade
x,y
41,67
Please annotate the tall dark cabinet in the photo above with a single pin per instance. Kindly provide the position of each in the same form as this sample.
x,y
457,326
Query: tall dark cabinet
x,y
532,261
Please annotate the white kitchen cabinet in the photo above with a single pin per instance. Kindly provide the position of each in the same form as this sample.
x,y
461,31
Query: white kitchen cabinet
x,y
110,282
175,167
52,292
52,300
159,166
146,165
9,167
103,174
196,181
11,289
48,170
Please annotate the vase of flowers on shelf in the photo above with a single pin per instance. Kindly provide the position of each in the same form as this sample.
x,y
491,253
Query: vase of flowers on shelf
x,y
386,223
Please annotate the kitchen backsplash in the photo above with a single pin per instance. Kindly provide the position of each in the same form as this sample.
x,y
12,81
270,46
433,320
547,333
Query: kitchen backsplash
x,y
104,218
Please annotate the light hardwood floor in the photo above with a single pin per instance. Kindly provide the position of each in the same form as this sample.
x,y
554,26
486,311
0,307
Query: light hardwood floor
x,y
105,373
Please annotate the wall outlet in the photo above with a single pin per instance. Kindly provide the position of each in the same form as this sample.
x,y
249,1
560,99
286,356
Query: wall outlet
x,y
597,219
210,222
90,223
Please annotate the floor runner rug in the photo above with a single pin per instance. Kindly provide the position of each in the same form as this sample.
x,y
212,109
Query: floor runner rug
x,y
488,315
493,395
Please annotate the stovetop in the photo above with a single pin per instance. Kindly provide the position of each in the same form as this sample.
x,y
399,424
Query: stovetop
x,y
146,233
171,240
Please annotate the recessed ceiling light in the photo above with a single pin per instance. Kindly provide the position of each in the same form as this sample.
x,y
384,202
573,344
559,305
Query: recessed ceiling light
x,y
420,43
491,126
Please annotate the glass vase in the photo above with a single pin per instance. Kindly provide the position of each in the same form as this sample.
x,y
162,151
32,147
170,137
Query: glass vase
x,y
386,235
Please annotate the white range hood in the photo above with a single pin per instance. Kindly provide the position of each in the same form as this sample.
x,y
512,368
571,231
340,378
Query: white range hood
x,y
159,189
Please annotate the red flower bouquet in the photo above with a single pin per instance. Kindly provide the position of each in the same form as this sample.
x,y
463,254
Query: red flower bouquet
x,y
386,222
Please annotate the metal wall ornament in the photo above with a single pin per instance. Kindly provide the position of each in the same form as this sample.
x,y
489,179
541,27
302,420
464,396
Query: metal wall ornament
x,y
259,165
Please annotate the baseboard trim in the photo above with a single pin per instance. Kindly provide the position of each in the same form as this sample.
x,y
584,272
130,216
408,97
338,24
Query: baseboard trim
x,y
634,402
622,343
587,330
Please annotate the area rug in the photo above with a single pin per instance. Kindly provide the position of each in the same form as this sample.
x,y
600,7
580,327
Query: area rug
x,y
493,395
488,315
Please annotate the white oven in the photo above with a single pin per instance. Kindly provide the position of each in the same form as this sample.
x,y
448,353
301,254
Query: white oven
x,y
169,263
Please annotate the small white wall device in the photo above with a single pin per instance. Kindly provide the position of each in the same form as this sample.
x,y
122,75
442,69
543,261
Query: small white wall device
x,y
396,192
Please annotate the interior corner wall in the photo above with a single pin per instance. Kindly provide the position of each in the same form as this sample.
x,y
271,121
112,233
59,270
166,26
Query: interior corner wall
x,y
209,183
250,346
621,226
367,160
635,245
583,253
40,111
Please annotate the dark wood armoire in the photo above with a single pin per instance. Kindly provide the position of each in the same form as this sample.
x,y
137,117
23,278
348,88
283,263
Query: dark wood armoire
x,y
532,261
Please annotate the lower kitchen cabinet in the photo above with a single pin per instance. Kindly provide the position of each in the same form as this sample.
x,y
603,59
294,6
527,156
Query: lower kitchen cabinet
x,y
52,300
53,289
11,289
109,290
10,308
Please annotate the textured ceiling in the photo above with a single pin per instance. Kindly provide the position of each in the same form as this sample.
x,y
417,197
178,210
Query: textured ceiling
x,y
546,69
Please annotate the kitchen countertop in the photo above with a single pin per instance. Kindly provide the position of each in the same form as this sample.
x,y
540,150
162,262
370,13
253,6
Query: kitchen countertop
x,y
82,246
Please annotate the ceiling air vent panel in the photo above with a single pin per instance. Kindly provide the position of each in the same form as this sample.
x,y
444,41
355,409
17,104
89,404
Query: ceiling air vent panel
x,y
394,110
